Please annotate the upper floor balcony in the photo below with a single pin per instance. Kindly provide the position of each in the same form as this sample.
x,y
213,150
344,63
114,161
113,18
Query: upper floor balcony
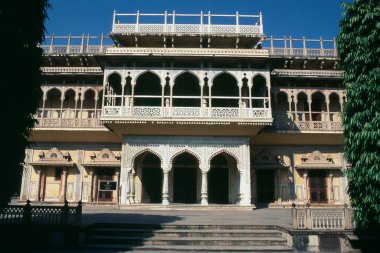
x,y
186,98
69,108
308,109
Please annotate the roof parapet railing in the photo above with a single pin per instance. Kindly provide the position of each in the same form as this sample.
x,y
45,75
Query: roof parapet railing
x,y
289,46
169,26
70,44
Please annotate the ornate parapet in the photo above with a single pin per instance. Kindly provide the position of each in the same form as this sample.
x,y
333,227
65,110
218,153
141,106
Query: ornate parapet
x,y
193,52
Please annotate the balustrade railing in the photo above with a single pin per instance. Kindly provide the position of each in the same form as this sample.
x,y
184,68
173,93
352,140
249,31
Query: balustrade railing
x,y
314,218
301,47
185,112
68,118
304,121
124,23
41,215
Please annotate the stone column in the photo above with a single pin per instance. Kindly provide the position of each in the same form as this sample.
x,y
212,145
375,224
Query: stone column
x,y
241,188
62,194
117,173
132,187
204,189
165,188
91,186
127,188
38,188
305,189
331,187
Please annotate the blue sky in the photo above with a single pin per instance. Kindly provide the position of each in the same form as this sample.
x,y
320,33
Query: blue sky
x,y
296,18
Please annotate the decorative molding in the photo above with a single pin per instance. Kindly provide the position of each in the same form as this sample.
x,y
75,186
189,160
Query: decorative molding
x,y
54,157
317,160
104,158
71,70
308,73
266,159
211,52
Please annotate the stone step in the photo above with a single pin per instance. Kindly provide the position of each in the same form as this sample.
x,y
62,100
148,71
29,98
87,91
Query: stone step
x,y
181,226
248,233
187,248
201,241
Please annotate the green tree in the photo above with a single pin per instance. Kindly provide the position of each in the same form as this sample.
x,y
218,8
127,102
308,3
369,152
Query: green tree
x,y
359,50
21,28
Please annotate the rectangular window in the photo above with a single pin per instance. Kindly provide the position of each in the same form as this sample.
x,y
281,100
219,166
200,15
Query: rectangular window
x,y
57,174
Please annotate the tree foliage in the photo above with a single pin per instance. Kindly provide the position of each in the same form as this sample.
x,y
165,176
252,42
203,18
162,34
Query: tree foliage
x,y
21,29
359,49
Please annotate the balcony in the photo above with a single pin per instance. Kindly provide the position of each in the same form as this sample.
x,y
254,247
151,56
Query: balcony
x,y
308,121
68,118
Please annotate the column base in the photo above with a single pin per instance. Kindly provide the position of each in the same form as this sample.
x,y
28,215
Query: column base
x,y
204,202
165,202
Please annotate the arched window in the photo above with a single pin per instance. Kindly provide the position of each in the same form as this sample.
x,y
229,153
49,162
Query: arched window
x,y
148,90
68,108
53,104
318,107
259,92
88,110
186,91
224,91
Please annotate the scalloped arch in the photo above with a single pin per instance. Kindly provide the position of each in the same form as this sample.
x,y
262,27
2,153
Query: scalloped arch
x,y
225,151
185,151
146,150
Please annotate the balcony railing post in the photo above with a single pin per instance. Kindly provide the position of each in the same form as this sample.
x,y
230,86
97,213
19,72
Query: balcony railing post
x,y
68,43
308,224
51,44
237,28
322,51
271,45
294,216
166,21
285,47
88,43
335,50
101,43
82,43
209,22
173,28
261,23
291,45
137,21
114,20
304,46
201,23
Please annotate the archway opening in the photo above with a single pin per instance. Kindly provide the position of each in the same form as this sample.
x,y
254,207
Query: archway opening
x,y
52,104
148,90
224,91
302,107
259,92
114,93
335,108
150,176
318,107
69,107
88,110
185,178
186,91
222,179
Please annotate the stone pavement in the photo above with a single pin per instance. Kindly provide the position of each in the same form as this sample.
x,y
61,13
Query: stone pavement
x,y
193,216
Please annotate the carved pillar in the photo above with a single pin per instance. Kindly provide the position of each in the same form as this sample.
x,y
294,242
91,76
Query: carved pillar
x,y
163,96
127,187
250,96
240,86
117,173
305,189
132,188
132,98
204,189
276,185
296,109
240,198
123,82
309,101
43,108
91,186
60,112
165,188
62,194
39,190
331,187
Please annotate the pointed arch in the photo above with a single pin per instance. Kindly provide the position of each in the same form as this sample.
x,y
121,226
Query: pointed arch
x,y
146,150
225,151
186,84
189,72
224,85
148,84
198,158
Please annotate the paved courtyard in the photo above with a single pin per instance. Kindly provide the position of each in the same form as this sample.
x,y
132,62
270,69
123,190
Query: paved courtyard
x,y
189,216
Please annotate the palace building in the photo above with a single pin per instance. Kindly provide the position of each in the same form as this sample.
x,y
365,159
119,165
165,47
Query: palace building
x,y
189,109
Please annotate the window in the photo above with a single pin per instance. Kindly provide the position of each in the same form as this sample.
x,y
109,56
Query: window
x,y
318,186
57,174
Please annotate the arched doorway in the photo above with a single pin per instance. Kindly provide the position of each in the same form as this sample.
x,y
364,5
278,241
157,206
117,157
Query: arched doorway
x,y
185,178
148,90
149,173
222,180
